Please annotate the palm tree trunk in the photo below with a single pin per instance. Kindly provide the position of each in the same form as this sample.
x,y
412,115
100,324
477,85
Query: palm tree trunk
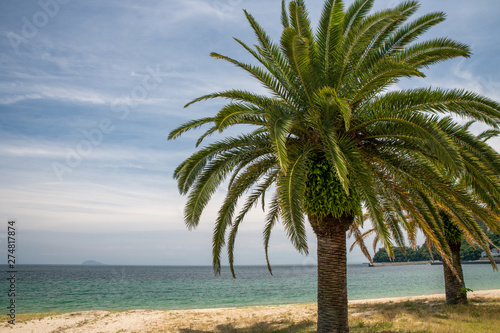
x,y
454,285
332,273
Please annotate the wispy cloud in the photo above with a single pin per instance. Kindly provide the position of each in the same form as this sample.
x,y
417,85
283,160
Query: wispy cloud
x,y
83,85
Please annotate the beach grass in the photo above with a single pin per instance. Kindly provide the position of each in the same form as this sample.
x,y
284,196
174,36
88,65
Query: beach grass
x,y
25,317
425,314
479,315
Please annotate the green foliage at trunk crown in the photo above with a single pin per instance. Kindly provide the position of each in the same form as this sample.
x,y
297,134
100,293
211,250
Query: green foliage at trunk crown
x,y
324,193
452,234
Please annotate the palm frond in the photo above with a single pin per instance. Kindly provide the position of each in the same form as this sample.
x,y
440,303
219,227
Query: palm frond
x,y
432,52
271,219
291,188
190,125
284,15
245,181
410,32
329,34
250,203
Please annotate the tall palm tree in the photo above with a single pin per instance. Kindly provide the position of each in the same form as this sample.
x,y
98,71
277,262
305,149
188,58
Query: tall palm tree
x,y
328,133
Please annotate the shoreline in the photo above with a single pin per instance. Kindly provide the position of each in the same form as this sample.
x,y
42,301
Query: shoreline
x,y
187,320
432,262
491,293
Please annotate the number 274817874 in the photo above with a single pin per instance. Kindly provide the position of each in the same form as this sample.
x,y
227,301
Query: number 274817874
x,y
11,244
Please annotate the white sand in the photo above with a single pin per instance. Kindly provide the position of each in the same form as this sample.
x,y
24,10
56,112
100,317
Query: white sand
x,y
480,293
186,320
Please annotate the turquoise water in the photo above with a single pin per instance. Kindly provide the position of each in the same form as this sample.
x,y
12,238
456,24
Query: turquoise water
x,y
47,288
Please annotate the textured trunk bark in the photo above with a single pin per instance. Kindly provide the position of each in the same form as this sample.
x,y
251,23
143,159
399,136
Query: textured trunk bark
x,y
332,273
454,285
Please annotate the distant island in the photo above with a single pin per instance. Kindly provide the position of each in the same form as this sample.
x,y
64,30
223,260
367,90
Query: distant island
x,y
92,263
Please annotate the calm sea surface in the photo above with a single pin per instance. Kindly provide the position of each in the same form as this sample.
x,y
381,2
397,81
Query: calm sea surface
x,y
64,288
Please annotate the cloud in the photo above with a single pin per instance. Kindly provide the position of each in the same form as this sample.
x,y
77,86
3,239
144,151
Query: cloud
x,y
61,94
22,149
89,63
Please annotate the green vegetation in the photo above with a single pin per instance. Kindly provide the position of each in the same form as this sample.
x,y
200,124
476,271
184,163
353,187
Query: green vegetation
x,y
468,252
421,253
25,317
324,193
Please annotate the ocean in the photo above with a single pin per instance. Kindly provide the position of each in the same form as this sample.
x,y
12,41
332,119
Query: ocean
x,y
69,288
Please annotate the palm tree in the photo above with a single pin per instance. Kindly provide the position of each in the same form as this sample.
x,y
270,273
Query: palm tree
x,y
454,283
328,134
483,194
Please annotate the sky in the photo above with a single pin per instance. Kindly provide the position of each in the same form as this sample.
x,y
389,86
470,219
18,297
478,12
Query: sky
x,y
89,91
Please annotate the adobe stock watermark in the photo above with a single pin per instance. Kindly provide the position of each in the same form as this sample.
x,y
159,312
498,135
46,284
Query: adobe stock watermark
x,y
94,137
224,7
31,25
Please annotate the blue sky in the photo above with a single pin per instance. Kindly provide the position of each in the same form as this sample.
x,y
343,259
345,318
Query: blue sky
x,y
89,91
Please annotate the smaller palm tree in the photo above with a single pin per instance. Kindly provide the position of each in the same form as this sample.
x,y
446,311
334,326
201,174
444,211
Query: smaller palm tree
x,y
454,283
457,222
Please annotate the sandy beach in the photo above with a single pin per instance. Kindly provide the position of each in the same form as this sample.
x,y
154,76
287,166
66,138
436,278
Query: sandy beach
x,y
204,320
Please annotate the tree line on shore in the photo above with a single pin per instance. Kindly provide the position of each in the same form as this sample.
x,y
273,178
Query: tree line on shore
x,y
421,253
